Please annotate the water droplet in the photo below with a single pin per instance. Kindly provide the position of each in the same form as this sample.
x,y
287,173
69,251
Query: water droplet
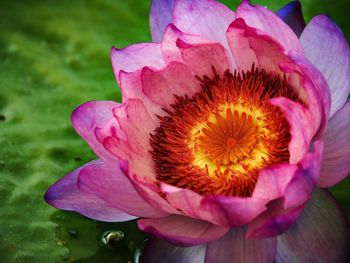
x,y
73,233
110,238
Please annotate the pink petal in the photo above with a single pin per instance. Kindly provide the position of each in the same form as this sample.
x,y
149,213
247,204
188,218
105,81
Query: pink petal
x,y
135,124
336,158
65,195
110,184
274,221
201,58
220,210
300,128
87,117
131,87
320,235
326,47
170,51
238,211
206,18
250,45
268,22
299,189
181,230
161,15
233,248
162,86
135,57
317,90
292,15
149,190
159,251
295,184
273,181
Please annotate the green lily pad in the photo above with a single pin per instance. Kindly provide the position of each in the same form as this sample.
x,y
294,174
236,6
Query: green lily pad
x,y
54,55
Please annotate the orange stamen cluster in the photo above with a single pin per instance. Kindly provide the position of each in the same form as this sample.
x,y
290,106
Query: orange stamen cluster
x,y
216,142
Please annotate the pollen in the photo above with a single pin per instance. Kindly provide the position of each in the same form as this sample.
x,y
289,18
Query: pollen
x,y
217,141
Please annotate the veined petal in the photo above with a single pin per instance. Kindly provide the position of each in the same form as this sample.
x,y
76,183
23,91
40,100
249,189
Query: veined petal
x,y
220,210
201,58
336,158
295,187
206,18
292,15
131,87
66,195
135,57
233,247
87,117
326,47
149,190
182,230
160,251
169,48
162,86
322,225
274,221
300,129
264,19
317,90
161,15
135,123
110,184
250,45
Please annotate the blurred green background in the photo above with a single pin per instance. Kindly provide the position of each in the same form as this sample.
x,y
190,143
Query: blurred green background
x,y
54,55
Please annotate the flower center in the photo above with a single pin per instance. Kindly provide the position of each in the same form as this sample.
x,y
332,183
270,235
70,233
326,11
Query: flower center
x,y
216,142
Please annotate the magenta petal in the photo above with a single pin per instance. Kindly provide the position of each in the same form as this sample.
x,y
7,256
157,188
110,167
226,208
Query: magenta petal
x,y
295,190
234,248
162,86
66,195
161,15
160,251
190,203
131,86
205,18
250,45
135,57
321,234
336,159
110,184
326,47
219,210
87,117
317,90
237,210
201,58
268,22
273,181
150,192
170,51
299,189
182,230
274,221
300,128
292,15
127,137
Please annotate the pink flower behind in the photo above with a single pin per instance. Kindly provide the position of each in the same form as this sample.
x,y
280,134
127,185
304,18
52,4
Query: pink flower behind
x,y
228,124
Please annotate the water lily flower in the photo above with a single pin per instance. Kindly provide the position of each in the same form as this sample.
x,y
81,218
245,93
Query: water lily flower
x,y
231,127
